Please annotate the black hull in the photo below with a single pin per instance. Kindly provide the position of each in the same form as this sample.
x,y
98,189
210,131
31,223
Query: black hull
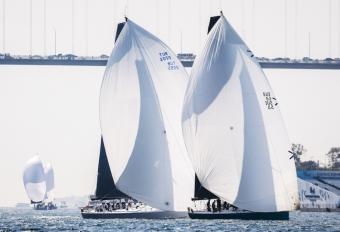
x,y
283,215
140,215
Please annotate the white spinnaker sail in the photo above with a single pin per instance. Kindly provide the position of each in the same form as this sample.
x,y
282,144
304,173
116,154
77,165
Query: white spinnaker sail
x,y
140,113
49,178
233,128
34,179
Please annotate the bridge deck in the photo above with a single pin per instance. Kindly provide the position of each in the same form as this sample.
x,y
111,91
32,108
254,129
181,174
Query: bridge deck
x,y
275,65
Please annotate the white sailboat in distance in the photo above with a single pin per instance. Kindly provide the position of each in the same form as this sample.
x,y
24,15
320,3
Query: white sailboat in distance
x,y
34,180
234,133
38,180
141,102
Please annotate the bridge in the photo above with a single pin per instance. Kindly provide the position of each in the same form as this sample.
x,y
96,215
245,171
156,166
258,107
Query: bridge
x,y
46,33
272,64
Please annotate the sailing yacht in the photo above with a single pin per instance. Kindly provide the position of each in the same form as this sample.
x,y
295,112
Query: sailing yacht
x,y
38,178
235,135
140,115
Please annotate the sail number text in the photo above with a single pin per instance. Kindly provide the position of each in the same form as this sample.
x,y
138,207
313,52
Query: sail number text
x,y
269,100
165,57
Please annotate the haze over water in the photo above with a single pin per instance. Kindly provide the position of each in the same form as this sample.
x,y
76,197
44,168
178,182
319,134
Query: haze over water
x,y
54,111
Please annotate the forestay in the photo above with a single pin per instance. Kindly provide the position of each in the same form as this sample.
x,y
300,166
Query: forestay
x,y
140,113
233,128
34,179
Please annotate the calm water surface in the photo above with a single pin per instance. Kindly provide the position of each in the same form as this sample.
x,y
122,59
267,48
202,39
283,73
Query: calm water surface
x,y
12,219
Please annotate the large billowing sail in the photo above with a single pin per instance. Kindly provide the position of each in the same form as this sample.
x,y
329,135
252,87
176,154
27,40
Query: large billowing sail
x,y
34,179
140,112
49,178
233,128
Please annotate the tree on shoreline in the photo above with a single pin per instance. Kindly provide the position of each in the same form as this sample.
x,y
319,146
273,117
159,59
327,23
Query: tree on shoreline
x,y
334,158
298,150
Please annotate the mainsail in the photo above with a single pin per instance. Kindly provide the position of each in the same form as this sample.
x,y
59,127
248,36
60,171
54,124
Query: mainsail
x,y
233,129
106,188
201,192
140,112
34,179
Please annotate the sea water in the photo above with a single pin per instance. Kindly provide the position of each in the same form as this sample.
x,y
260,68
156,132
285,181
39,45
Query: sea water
x,y
14,219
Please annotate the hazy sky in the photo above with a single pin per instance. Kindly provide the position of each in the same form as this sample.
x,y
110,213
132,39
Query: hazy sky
x,y
271,28
53,110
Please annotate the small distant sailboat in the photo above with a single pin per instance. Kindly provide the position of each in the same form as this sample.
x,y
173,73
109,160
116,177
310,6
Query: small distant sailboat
x,y
140,112
39,182
34,180
235,135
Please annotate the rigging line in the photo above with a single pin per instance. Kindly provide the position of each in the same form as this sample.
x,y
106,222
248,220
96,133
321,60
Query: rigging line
x,y
339,30
72,27
156,16
86,27
199,24
243,20
296,27
44,27
285,28
169,21
330,28
31,28
4,26
126,8
253,24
